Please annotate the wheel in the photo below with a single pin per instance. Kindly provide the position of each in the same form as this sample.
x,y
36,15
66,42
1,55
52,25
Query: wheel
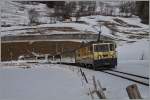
x,y
94,67
113,66
90,66
85,66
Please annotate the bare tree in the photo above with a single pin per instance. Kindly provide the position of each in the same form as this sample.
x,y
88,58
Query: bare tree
x,y
64,10
92,6
68,9
101,4
33,16
127,7
142,10
77,15
58,10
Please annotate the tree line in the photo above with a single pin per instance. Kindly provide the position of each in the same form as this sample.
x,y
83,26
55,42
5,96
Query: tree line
x,y
64,10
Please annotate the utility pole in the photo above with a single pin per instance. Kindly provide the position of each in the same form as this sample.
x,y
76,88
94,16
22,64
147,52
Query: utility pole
x,y
99,35
99,32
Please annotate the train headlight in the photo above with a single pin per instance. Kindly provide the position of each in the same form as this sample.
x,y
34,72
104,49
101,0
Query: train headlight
x,y
99,57
112,54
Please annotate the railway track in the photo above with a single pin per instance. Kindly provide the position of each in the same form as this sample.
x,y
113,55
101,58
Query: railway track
x,y
128,76
132,77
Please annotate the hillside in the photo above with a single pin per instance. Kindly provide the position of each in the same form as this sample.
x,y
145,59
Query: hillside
x,y
16,17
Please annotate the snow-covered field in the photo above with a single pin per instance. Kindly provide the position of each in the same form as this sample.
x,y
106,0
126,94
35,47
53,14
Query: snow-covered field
x,y
44,82
59,82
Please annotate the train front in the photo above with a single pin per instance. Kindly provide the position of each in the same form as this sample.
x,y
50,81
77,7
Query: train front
x,y
105,55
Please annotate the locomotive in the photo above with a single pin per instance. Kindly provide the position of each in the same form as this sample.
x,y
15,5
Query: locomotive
x,y
100,54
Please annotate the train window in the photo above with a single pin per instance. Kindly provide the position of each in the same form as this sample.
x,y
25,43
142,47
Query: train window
x,y
85,51
111,47
91,48
101,48
41,58
78,54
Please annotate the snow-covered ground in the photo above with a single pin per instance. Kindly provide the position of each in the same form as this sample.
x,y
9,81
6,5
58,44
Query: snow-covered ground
x,y
44,82
134,57
59,82
134,51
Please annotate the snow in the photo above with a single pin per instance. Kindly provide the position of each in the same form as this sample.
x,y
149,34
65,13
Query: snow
x,y
46,82
53,81
134,51
106,31
134,57
116,87
138,67
16,14
89,22
134,21
12,14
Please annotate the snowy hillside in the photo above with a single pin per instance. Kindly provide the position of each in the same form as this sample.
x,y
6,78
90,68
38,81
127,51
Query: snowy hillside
x,y
16,14
121,28
13,14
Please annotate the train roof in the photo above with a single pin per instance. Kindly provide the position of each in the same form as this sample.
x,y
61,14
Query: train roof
x,y
94,42
89,43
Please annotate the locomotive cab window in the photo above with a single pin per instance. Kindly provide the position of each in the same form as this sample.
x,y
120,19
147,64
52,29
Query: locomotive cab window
x,y
90,49
112,47
101,48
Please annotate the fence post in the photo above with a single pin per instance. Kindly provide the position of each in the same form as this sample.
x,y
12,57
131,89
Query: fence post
x,y
133,92
99,91
92,97
85,78
94,83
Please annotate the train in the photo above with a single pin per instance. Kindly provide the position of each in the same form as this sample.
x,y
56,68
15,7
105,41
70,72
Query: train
x,y
96,55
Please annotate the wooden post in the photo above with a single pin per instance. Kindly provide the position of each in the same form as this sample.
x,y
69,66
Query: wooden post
x,y
83,75
85,78
94,83
133,92
81,71
99,91
92,97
